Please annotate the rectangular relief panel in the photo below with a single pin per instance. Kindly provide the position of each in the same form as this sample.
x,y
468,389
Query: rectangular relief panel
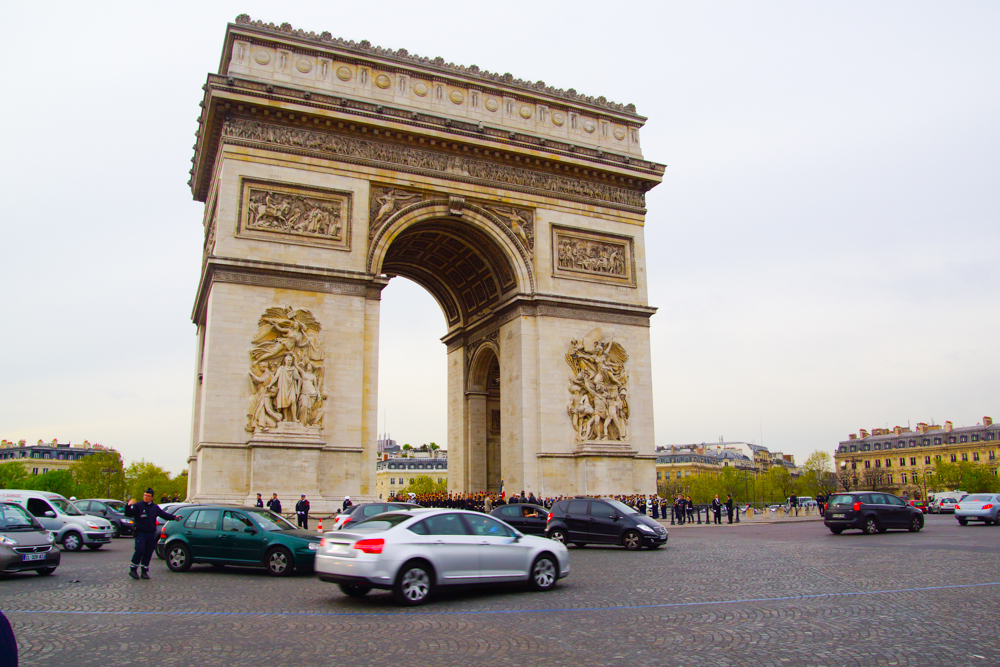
x,y
580,254
300,215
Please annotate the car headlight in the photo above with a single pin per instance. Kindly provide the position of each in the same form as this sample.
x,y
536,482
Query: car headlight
x,y
50,537
8,541
314,546
94,525
646,528
126,520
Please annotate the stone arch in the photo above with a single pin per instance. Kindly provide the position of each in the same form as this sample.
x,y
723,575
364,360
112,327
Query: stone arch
x,y
482,444
465,257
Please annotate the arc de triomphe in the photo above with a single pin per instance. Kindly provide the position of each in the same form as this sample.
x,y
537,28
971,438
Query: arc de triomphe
x,y
328,167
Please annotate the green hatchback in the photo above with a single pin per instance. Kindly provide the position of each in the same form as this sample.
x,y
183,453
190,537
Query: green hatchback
x,y
227,535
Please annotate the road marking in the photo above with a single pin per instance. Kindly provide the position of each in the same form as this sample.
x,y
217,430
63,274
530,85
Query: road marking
x,y
667,605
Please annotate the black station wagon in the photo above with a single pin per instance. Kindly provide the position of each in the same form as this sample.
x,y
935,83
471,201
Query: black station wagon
x,y
871,512
585,521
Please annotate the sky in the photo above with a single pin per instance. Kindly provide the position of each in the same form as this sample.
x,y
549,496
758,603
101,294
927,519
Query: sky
x,y
825,243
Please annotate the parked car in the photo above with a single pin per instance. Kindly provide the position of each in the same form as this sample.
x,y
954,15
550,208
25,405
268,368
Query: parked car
x,y
871,513
529,519
413,553
920,505
73,529
362,511
25,545
585,521
112,510
983,507
226,535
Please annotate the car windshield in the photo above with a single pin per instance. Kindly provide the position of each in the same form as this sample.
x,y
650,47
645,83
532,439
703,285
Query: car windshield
x,y
841,501
13,517
271,522
621,507
116,505
977,498
377,524
65,506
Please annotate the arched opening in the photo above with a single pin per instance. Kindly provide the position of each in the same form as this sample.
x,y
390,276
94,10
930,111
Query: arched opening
x,y
484,426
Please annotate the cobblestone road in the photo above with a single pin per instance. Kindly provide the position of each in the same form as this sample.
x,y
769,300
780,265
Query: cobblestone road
x,y
760,595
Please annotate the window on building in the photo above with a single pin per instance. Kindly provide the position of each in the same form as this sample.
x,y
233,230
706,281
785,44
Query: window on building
x,y
34,471
975,437
937,441
659,476
854,465
902,461
678,474
927,441
975,456
888,463
989,436
878,445
954,458
913,443
952,440
965,456
868,464
392,480
993,455
937,457
913,460
964,438
888,479
878,463
902,478
916,478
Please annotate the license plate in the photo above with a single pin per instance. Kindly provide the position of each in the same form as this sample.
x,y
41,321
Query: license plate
x,y
33,557
837,516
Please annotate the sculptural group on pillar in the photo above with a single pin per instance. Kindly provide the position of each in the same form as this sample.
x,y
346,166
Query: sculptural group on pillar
x,y
598,388
286,372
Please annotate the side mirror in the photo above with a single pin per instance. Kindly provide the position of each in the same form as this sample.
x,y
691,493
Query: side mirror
x,y
104,512
517,537
250,530
615,517
50,514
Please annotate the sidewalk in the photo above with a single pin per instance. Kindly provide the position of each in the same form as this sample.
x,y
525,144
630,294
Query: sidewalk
x,y
757,520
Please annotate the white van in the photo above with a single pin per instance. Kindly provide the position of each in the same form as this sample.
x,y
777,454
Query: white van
x,y
72,528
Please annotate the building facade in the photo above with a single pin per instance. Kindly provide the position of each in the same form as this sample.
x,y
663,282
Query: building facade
x,y
900,459
675,462
41,458
396,474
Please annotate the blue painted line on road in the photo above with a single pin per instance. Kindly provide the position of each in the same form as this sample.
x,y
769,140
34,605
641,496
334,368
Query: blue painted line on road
x,y
667,605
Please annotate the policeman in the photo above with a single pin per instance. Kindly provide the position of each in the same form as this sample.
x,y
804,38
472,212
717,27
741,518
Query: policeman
x,y
302,512
347,502
144,514
260,502
274,504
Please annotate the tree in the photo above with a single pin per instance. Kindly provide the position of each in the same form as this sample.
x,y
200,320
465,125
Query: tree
x,y
847,478
141,475
422,484
407,447
780,482
13,475
99,475
814,475
54,481
434,447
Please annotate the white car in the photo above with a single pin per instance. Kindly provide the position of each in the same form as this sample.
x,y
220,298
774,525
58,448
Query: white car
x,y
983,507
413,552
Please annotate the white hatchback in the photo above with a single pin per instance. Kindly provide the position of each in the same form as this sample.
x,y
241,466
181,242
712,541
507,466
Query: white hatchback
x,y
413,552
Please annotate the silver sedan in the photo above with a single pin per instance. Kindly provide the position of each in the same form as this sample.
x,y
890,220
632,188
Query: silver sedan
x,y
413,552
978,507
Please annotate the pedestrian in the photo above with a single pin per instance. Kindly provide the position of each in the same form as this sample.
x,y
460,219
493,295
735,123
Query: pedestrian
x,y
717,509
144,515
793,503
8,645
821,503
488,504
164,499
260,502
302,512
729,506
689,504
274,504
347,502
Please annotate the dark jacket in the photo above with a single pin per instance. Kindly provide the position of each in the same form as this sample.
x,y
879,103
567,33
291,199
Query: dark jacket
x,y
729,504
302,507
274,505
144,514
260,503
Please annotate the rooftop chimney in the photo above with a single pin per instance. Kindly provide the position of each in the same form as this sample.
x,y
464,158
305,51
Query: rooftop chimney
x,y
864,433
853,436
987,421
948,426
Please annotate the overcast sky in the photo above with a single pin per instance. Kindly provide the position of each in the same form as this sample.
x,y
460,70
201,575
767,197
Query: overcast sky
x,y
823,249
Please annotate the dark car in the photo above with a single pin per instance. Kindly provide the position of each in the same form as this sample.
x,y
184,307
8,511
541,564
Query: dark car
x,y
529,519
226,535
169,508
112,510
871,512
362,511
603,521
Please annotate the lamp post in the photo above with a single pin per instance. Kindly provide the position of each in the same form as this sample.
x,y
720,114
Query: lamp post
x,y
108,472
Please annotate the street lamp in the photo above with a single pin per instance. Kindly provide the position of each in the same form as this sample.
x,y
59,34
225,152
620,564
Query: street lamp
x,y
108,472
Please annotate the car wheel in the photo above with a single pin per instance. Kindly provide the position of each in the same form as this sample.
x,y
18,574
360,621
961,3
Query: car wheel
x,y
72,541
557,535
45,571
632,540
916,524
354,590
871,526
544,573
279,562
178,557
413,584
963,522
836,531
116,531
94,547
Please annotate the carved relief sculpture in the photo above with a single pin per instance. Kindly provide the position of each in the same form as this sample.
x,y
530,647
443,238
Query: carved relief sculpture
x,y
304,216
286,373
585,255
598,387
385,202
520,222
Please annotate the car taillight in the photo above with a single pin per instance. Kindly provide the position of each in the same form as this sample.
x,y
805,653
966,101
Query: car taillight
x,y
322,541
857,507
163,533
957,507
549,518
370,546
988,507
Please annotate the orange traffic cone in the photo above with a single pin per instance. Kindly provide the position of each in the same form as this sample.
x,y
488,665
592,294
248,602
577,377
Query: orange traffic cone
x,y
320,529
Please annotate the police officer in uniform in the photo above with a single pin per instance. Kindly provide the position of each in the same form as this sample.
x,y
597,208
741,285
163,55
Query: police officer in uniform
x,y
274,504
144,514
302,512
717,509
260,502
